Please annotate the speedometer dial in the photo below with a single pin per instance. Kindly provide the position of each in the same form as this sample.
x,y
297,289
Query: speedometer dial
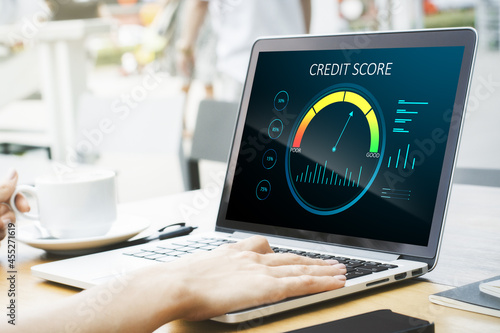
x,y
336,147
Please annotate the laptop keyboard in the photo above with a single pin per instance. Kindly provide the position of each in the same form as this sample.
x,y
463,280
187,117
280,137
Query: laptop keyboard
x,y
173,251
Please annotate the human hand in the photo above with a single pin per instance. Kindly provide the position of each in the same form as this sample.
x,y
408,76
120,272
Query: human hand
x,y
185,59
7,187
243,275
195,287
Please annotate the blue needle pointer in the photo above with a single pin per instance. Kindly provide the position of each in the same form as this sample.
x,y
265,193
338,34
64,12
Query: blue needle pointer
x,y
347,122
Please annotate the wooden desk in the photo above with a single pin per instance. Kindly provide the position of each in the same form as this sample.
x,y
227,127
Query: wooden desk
x,y
473,232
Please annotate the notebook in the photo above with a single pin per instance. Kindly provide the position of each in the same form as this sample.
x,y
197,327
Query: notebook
x,y
344,148
471,297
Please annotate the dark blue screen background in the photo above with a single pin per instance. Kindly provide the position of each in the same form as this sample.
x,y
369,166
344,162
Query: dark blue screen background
x,y
427,75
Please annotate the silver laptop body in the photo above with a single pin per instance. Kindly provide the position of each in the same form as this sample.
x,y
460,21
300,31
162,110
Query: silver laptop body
x,y
344,146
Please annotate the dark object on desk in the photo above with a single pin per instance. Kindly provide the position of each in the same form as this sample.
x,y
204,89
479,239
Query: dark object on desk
x,y
183,230
161,234
380,321
469,298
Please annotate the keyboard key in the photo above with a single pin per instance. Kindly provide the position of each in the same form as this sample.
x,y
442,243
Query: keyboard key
x,y
133,253
176,253
370,269
198,250
153,256
218,243
180,244
141,254
188,249
165,259
163,251
298,252
166,253
350,264
350,269
205,241
355,274
208,247
171,247
355,261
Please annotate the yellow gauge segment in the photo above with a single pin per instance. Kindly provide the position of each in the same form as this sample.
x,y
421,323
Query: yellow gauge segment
x,y
329,99
336,97
358,100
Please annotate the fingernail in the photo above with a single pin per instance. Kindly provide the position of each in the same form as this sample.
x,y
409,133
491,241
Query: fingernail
x,y
6,222
340,266
332,262
11,174
340,277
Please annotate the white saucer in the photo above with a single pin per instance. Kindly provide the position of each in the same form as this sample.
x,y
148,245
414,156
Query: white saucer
x,y
125,227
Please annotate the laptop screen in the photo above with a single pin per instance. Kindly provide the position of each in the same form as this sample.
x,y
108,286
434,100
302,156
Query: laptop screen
x,y
348,145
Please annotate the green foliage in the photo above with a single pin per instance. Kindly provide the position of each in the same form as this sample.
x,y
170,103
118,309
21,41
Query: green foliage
x,y
451,18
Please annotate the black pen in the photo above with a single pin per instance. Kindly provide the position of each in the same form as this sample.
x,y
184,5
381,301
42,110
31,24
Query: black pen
x,y
182,231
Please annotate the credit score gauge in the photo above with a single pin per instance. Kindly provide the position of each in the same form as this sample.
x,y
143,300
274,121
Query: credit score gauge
x,y
335,149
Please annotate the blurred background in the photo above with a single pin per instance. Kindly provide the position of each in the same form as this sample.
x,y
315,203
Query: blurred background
x,y
151,88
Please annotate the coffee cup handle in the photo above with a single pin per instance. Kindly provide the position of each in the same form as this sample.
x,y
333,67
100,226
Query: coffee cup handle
x,y
23,189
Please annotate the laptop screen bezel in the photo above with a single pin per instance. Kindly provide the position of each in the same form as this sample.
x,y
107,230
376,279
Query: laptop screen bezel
x,y
465,37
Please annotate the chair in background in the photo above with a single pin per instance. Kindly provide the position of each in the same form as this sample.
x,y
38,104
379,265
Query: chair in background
x,y
23,122
213,136
477,176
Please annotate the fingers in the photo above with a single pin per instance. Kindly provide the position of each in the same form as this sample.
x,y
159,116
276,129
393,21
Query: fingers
x,y
22,203
311,270
277,259
257,244
4,208
3,229
8,217
330,274
7,186
307,284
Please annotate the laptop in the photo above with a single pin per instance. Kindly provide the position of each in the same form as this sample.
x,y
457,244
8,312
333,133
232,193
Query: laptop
x,y
344,148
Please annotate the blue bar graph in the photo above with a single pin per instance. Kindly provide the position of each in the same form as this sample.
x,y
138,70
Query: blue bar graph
x,y
390,193
402,101
399,130
407,110
318,177
403,158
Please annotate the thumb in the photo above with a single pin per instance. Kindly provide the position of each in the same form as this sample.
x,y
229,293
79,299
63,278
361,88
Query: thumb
x,y
8,185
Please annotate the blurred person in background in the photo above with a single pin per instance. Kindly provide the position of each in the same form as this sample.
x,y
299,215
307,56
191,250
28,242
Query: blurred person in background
x,y
169,23
237,24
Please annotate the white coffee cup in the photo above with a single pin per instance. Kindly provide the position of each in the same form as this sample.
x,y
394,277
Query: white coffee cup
x,y
77,204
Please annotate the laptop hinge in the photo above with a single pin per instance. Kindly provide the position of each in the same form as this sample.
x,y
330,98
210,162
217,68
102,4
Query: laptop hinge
x,y
321,247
